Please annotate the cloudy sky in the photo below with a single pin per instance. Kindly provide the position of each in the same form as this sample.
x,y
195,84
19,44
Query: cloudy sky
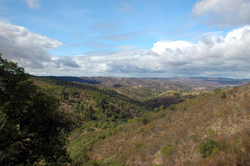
x,y
128,38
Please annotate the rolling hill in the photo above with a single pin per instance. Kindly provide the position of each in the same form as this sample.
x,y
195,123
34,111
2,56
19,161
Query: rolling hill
x,y
209,129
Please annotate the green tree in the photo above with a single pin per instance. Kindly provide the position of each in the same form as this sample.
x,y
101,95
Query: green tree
x,y
209,147
162,107
217,90
156,110
29,120
144,120
223,96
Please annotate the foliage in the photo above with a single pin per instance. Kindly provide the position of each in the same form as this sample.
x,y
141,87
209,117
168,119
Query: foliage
x,y
192,137
138,145
177,95
102,163
144,120
208,147
181,108
30,121
156,110
140,130
167,150
217,90
162,115
223,96
172,107
162,107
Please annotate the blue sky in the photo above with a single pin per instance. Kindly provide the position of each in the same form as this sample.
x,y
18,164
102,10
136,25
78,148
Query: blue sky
x,y
139,38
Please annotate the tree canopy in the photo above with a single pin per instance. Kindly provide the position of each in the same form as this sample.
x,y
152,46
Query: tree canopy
x,y
30,120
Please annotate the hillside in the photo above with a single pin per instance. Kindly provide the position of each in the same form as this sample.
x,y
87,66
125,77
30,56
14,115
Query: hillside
x,y
174,136
208,129
77,97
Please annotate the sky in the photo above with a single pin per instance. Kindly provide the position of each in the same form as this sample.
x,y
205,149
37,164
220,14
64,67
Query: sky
x,y
127,38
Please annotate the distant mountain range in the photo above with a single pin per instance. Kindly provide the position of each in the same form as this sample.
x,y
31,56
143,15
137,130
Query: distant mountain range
x,y
193,83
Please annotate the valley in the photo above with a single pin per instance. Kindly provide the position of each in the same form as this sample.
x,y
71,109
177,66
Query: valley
x,y
128,123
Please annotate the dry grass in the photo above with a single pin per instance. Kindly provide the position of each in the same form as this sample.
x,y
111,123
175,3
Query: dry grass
x,y
225,120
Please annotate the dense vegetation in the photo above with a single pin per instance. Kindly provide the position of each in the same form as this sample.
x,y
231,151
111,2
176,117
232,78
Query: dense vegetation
x,y
94,114
30,122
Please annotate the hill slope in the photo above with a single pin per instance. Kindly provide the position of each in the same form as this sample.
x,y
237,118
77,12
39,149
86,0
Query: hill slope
x,y
211,129
174,137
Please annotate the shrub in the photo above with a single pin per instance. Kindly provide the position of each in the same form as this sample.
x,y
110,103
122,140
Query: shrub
x,y
167,150
105,125
172,107
162,107
177,95
157,110
209,147
89,129
138,145
137,119
211,132
140,130
192,137
144,120
181,108
101,136
217,90
223,96
162,115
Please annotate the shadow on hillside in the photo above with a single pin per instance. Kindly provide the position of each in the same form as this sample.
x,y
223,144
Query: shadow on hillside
x,y
75,79
166,101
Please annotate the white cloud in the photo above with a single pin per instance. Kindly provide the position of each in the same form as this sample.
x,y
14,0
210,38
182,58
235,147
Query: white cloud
x,y
212,55
166,45
223,12
28,49
33,4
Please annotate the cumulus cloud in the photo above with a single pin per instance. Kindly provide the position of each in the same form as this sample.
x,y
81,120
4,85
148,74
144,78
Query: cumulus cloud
x,y
33,4
213,55
28,49
65,61
223,12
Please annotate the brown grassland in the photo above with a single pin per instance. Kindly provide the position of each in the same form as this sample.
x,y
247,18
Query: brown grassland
x,y
173,137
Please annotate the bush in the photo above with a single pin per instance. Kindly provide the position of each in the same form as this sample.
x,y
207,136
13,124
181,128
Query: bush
x,y
162,107
105,125
192,137
89,129
223,96
137,119
209,147
167,150
157,110
172,107
144,120
138,145
162,115
177,95
140,130
217,90
181,108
